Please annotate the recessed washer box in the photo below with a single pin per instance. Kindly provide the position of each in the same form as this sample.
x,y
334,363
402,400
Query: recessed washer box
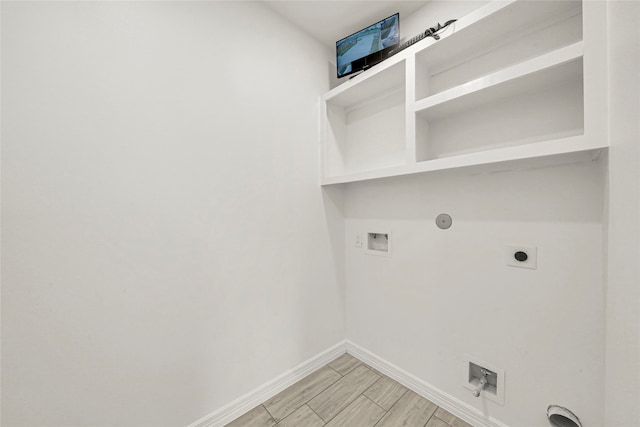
x,y
495,386
378,243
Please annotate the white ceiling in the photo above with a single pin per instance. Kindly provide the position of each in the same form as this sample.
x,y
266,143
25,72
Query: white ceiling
x,y
330,20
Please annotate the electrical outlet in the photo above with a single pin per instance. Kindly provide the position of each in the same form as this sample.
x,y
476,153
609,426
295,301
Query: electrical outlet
x,y
522,256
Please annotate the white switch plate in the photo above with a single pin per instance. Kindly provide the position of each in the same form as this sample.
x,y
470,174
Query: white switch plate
x,y
357,242
532,256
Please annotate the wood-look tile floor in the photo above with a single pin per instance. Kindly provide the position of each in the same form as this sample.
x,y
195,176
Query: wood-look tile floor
x,y
347,393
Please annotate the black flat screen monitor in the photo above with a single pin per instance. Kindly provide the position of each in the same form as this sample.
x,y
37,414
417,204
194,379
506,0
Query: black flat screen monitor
x,y
368,46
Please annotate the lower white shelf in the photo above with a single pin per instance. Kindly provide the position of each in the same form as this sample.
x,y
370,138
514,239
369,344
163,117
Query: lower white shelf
x,y
557,151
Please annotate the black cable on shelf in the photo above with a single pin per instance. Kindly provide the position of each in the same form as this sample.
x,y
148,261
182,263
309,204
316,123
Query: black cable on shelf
x,y
429,32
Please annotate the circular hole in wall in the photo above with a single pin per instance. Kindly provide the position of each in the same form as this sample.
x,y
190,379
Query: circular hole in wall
x,y
562,417
443,221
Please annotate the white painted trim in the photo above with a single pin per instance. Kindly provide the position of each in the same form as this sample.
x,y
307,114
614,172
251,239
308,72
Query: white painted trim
x,y
457,407
578,144
243,404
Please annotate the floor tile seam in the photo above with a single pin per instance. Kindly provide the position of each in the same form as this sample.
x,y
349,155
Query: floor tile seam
x,y
447,423
372,369
268,412
375,403
382,376
376,382
399,399
306,402
350,370
283,418
438,418
324,389
335,371
311,409
368,368
351,403
434,416
279,422
366,365
372,384
335,382
428,419
339,412
392,406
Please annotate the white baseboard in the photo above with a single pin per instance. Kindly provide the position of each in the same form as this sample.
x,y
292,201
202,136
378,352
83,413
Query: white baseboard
x,y
245,403
457,407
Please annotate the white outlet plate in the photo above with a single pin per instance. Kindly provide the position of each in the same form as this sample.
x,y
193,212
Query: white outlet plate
x,y
532,256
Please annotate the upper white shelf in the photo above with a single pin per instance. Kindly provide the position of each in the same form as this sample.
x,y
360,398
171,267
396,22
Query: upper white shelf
x,y
573,149
379,79
559,65
495,24
513,81
473,33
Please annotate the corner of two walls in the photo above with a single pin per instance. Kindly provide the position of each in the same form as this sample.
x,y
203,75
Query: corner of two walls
x,y
622,350
333,198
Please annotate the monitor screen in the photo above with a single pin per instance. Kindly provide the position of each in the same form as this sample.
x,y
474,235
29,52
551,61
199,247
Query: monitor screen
x,y
368,46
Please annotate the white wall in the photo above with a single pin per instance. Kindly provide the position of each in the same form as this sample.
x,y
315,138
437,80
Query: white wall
x,y
446,293
623,272
166,245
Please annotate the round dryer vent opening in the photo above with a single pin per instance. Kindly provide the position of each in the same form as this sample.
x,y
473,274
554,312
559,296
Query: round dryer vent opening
x,y
562,417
